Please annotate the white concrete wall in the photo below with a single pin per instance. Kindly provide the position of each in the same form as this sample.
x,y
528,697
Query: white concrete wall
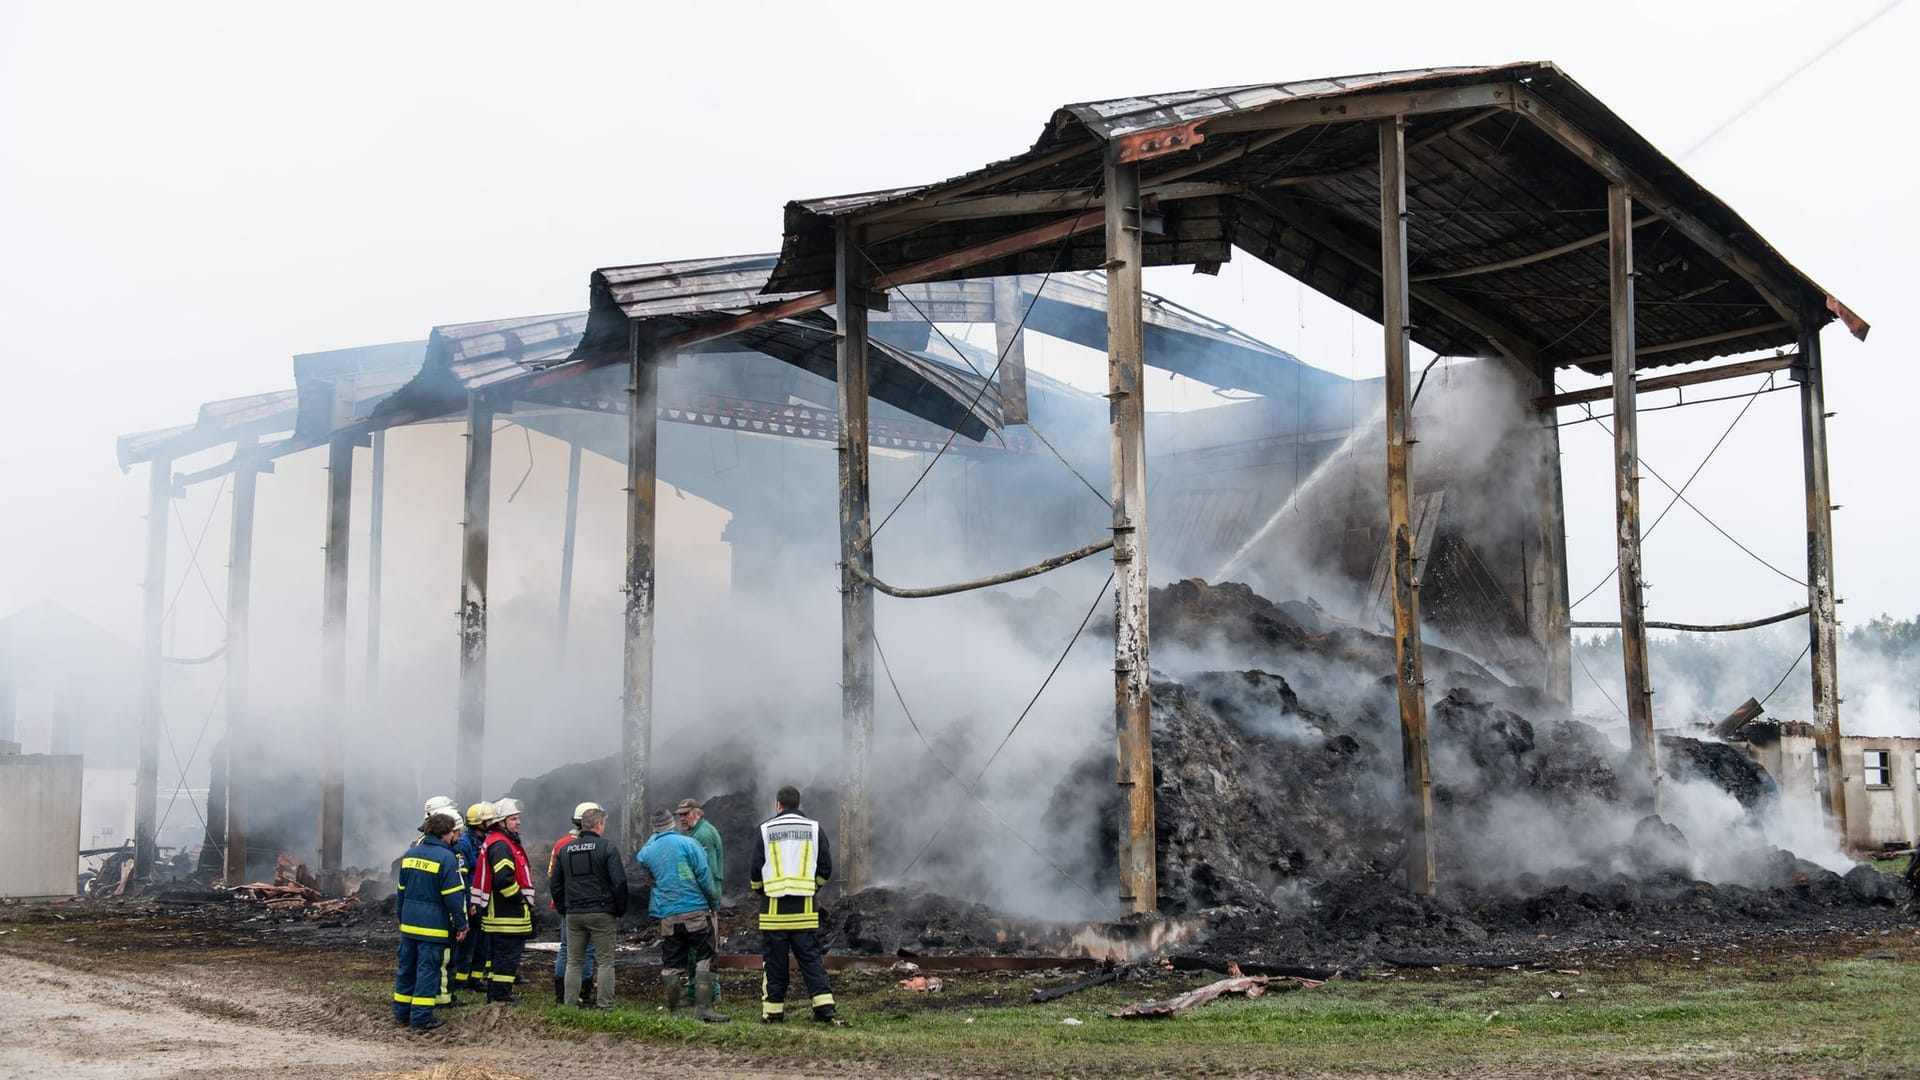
x,y
1886,814
40,840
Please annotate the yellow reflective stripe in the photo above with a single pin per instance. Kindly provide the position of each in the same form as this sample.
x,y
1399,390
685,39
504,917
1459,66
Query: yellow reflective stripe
x,y
427,1001
404,999
423,931
450,892
807,921
503,864
510,890
500,978
806,855
822,999
412,863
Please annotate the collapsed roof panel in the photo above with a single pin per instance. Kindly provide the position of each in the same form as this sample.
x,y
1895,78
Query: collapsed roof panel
x,y
1508,169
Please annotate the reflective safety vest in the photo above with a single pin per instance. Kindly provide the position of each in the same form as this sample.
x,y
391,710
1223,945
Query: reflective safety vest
x,y
791,846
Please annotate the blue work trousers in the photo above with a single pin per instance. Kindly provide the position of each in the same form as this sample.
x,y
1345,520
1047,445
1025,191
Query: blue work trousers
x,y
419,981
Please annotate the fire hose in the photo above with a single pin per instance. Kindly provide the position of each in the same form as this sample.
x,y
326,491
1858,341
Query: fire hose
x,y
1036,569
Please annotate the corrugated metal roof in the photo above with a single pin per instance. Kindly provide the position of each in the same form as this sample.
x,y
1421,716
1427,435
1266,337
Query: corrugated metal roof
x,y
219,422
1288,172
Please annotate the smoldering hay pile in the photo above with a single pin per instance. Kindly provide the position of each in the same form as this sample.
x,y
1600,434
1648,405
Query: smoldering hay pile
x,y
1279,810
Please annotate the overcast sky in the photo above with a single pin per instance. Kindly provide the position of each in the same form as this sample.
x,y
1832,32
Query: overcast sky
x,y
190,194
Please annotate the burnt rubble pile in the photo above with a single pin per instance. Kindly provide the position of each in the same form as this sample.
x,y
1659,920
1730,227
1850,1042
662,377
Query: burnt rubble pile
x,y
1279,805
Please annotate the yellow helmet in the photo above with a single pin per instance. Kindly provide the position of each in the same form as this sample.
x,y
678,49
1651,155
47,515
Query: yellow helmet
x,y
481,813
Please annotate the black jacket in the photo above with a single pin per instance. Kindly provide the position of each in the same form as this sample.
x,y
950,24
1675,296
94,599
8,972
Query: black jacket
x,y
589,878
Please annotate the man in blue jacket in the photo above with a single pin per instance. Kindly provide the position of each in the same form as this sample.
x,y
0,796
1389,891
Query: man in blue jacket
x,y
433,916
684,900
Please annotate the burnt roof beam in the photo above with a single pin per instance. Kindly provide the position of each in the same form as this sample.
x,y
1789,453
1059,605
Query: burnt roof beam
x,y
1506,340
1056,201
1777,294
1364,107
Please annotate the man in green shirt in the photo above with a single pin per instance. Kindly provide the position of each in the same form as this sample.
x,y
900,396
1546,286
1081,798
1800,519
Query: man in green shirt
x,y
694,823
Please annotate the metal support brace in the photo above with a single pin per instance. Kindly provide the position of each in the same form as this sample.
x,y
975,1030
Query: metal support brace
x,y
240,747
1399,416
333,656
146,785
1550,551
564,616
1132,700
1011,340
636,710
1822,624
376,546
475,533
856,561
1642,753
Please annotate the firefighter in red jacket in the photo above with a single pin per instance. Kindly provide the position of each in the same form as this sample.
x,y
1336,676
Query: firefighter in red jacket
x,y
503,895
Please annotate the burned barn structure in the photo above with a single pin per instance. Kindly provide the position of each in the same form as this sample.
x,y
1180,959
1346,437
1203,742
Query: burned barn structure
x,y
1501,214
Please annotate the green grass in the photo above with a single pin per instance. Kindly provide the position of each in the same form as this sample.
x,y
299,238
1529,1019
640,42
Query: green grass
x,y
1841,1017
1897,866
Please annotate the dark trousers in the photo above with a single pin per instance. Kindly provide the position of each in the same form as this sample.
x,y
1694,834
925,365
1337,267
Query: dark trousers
x,y
804,946
419,980
504,965
686,948
480,958
464,951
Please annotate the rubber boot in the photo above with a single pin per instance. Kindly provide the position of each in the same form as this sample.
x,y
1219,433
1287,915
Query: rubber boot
x,y
559,989
587,995
671,983
703,1010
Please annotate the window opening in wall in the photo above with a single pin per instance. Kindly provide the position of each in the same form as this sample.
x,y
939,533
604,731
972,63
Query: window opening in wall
x,y
1878,769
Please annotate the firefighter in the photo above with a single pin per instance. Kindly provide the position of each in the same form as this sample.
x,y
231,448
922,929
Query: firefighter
x,y
503,890
433,916
791,865
560,961
470,957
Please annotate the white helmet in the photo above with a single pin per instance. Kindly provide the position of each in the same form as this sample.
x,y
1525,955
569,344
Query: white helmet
x,y
581,810
440,804
506,808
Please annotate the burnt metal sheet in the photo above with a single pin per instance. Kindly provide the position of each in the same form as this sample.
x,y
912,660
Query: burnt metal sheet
x,y
344,386
1486,186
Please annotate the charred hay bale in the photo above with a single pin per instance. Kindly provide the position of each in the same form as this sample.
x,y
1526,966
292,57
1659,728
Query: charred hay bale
x,y
1727,767
886,921
1252,795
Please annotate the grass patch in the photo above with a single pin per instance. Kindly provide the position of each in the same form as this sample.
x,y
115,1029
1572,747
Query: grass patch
x,y
1719,1016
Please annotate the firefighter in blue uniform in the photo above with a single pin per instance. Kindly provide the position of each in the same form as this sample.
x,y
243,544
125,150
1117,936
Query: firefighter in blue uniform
x,y
433,917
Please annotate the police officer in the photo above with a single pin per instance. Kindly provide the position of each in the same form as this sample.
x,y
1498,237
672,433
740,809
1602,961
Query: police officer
x,y
503,890
560,958
791,865
589,886
433,916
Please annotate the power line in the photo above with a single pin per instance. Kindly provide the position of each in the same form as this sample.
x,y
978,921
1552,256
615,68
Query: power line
x,y
1783,80
1795,666
972,789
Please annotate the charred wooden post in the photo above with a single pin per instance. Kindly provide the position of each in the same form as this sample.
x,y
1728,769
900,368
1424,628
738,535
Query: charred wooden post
x,y
376,544
1011,340
1553,621
1399,415
238,657
856,559
469,756
564,616
333,655
636,710
1626,486
1127,416
1822,624
146,786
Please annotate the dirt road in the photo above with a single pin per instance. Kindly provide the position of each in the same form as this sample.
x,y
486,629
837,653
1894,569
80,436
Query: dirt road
x,y
219,1018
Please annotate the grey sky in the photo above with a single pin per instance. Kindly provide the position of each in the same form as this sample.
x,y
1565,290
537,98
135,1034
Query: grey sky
x,y
189,194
